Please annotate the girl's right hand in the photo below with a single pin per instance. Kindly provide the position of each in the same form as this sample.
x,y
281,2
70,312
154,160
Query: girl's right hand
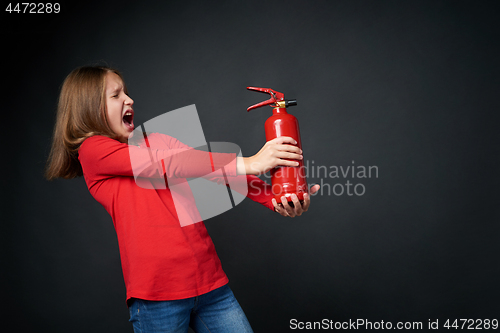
x,y
274,153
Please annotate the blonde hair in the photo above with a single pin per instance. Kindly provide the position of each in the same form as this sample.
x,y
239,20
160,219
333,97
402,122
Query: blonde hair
x,y
81,113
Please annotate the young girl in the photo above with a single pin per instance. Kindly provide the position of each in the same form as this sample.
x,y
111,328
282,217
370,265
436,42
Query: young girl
x,y
172,274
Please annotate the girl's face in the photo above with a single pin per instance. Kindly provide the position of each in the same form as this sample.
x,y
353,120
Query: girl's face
x,y
119,107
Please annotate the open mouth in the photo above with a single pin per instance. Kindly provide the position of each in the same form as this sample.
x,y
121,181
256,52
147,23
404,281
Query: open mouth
x,y
128,119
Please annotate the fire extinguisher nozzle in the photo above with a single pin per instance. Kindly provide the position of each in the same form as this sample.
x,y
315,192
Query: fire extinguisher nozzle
x,y
291,102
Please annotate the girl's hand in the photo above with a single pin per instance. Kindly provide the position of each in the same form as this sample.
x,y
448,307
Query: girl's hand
x,y
285,209
273,153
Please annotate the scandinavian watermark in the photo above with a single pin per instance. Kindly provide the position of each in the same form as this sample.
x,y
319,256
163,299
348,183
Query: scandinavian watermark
x,y
331,178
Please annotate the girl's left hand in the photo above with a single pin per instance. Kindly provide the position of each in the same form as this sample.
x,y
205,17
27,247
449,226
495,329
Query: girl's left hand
x,y
286,210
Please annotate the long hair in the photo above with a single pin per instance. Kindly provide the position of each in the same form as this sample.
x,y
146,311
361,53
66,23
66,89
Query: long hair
x,y
81,113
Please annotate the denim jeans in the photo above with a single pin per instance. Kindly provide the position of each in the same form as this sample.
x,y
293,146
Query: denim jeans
x,y
216,311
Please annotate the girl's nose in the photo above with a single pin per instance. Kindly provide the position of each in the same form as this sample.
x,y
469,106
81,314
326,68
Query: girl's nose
x,y
129,101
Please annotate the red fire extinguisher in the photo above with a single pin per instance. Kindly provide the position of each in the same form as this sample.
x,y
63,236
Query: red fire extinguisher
x,y
285,180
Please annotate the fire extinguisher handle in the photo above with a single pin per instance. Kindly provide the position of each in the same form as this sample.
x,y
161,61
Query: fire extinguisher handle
x,y
275,97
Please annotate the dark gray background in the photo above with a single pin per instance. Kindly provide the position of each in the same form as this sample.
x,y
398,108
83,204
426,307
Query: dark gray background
x,y
411,87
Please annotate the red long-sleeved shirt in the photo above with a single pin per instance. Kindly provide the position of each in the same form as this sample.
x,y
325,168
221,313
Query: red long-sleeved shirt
x,y
160,259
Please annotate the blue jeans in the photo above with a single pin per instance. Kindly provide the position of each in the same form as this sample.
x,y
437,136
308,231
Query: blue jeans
x,y
216,311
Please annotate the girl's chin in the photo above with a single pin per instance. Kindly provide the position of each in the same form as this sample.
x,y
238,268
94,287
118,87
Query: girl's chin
x,y
125,136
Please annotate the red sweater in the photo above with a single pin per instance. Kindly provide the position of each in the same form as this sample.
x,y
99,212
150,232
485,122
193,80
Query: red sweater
x,y
160,259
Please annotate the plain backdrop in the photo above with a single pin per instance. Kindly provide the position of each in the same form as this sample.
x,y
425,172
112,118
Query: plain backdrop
x,y
410,87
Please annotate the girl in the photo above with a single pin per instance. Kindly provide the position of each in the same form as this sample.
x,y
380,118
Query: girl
x,y
172,274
